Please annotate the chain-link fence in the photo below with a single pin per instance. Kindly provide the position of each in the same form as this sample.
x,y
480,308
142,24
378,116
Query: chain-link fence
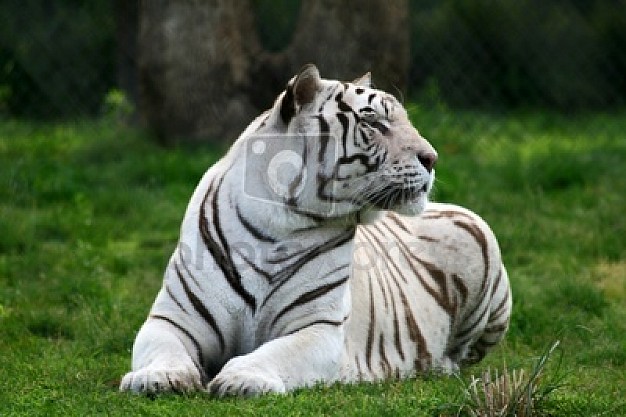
x,y
564,54
60,59
57,59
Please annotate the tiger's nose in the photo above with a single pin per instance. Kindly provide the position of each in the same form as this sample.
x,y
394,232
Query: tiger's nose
x,y
428,159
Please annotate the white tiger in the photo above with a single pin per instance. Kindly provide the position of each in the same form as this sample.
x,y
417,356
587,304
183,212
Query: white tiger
x,y
276,284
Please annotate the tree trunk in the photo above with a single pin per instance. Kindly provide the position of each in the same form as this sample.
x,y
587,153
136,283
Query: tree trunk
x,y
344,39
204,75
194,67
347,38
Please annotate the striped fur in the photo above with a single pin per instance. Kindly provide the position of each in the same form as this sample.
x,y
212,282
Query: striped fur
x,y
428,293
269,291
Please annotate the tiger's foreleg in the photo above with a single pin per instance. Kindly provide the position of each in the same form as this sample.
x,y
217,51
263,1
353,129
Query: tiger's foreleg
x,y
163,360
298,359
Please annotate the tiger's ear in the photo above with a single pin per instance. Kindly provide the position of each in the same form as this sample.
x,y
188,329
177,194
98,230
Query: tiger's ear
x,y
306,84
301,89
364,81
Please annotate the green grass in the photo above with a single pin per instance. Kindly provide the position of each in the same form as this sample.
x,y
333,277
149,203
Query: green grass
x,y
89,213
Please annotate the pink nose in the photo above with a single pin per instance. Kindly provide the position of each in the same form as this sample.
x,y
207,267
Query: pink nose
x,y
428,159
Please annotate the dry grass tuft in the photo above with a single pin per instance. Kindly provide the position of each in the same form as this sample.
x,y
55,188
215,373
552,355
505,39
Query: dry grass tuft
x,y
510,393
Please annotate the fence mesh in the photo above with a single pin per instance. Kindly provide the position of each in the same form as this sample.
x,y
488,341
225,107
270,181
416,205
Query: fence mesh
x,y
60,59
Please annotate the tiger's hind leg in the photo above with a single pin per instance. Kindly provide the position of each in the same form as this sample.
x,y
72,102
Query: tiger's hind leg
x,y
162,362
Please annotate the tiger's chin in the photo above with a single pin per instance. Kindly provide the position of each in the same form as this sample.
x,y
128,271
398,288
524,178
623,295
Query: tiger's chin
x,y
413,207
409,207
414,203
408,202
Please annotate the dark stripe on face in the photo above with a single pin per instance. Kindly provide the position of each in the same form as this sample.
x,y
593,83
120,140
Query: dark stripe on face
x,y
344,107
363,159
309,296
293,185
201,308
324,137
365,138
196,345
222,256
371,98
321,108
384,103
343,119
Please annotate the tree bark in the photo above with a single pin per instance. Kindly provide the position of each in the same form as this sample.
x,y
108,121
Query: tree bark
x,y
204,74
347,38
344,39
194,66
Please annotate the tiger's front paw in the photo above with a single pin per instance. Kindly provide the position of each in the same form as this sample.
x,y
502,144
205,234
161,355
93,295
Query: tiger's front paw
x,y
238,379
152,381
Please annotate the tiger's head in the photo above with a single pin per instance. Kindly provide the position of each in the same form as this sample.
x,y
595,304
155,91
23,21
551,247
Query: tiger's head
x,y
346,148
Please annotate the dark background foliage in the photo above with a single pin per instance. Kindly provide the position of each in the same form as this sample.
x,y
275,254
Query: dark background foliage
x,y
59,59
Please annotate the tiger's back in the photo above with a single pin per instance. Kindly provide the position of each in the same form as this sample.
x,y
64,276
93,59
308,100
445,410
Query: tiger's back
x,y
429,292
